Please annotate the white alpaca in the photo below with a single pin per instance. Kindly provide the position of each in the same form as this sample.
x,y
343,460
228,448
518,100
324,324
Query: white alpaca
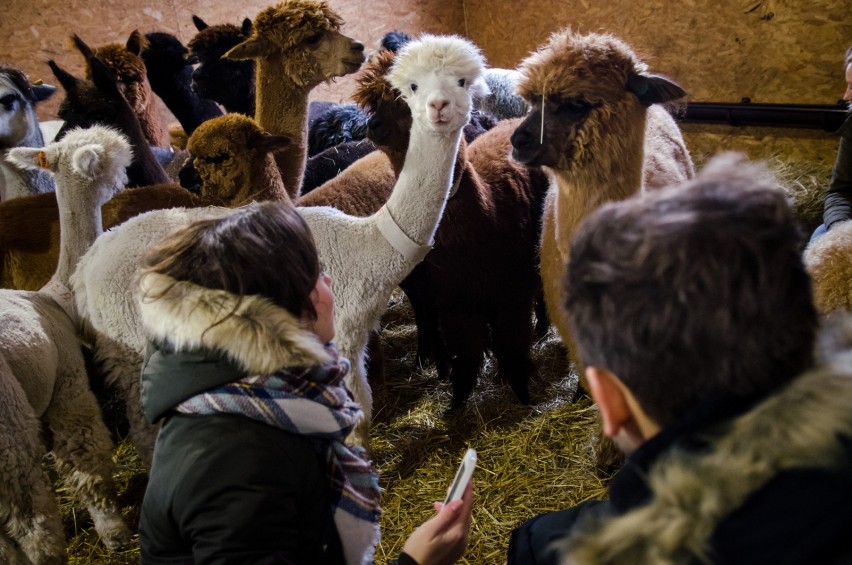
x,y
436,76
19,127
42,372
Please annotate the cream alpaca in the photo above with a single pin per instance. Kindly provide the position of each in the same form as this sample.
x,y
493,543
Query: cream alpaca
x,y
436,76
42,372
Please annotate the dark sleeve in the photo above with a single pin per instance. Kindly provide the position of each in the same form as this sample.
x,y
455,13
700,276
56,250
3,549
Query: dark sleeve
x,y
838,201
530,543
404,559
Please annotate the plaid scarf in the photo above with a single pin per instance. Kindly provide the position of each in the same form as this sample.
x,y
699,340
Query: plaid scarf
x,y
314,402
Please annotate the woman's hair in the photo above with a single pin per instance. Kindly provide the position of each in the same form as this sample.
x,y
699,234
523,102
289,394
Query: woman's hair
x,y
261,249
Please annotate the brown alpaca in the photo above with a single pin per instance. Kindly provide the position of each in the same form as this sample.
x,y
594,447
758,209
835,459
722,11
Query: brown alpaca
x,y
125,62
296,45
479,281
603,138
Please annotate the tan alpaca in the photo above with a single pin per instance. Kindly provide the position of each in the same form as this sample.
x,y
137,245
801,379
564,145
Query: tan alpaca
x,y
296,45
603,138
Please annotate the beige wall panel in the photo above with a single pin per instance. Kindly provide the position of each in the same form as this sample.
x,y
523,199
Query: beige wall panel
x,y
34,31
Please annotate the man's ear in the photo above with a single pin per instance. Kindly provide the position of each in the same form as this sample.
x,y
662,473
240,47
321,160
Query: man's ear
x,y
609,396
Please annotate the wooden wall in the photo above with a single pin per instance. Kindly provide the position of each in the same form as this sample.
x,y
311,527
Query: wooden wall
x,y
35,31
778,51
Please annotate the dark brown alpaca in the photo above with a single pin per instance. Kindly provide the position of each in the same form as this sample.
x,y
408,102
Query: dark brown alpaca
x,y
480,280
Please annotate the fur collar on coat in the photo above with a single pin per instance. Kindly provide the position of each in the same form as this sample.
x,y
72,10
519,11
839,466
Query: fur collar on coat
x,y
797,427
257,335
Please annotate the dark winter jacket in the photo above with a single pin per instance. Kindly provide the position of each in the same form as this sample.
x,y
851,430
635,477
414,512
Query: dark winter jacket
x,y
838,201
771,484
223,488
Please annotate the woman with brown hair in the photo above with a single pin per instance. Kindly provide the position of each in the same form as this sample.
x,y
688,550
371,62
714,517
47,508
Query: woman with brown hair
x,y
250,464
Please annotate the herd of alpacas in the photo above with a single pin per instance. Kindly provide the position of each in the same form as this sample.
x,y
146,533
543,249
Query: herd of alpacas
x,y
458,183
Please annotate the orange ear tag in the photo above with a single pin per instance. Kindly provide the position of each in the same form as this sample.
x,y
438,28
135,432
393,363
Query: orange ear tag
x,y
42,159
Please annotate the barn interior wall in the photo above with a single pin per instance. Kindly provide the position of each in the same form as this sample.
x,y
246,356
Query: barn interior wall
x,y
771,51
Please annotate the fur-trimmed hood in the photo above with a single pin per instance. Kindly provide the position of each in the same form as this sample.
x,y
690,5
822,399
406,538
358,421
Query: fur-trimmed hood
x,y
807,425
255,334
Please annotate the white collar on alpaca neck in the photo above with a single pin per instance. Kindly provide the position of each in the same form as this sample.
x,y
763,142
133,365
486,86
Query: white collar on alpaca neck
x,y
399,240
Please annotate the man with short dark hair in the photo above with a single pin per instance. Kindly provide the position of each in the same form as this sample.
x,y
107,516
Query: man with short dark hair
x,y
693,315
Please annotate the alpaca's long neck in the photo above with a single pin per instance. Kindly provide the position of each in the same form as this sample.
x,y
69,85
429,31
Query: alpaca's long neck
x,y
265,183
420,194
612,174
80,223
282,109
150,122
190,110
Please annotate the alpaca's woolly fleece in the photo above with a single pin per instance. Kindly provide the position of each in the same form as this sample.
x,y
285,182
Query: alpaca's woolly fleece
x,y
571,62
287,25
828,259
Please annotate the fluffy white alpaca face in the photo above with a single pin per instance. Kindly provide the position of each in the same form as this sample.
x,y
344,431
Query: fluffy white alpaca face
x,y
437,77
443,101
14,113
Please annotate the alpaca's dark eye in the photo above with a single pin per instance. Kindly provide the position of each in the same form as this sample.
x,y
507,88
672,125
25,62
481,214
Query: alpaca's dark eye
x,y
413,87
314,39
461,82
214,159
8,100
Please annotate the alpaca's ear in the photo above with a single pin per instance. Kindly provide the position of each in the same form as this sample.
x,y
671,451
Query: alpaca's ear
x,y
67,80
103,77
86,160
200,25
654,89
136,43
29,158
43,91
81,46
246,29
251,48
269,142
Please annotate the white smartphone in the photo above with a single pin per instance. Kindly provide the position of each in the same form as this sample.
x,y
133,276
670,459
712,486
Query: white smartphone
x,y
463,476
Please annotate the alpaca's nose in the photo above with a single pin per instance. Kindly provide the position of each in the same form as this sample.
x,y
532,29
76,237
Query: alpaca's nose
x,y
439,103
356,46
522,138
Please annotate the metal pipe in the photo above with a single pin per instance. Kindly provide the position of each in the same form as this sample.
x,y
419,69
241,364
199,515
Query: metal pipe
x,y
815,116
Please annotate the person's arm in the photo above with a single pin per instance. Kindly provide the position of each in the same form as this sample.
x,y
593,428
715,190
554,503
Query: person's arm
x,y
838,201
443,538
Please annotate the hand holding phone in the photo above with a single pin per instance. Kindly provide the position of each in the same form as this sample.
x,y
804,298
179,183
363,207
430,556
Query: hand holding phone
x,y
463,476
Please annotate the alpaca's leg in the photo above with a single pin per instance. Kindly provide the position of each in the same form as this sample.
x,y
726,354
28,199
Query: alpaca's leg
x,y
430,340
83,450
29,515
542,320
511,338
122,367
466,337
356,380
